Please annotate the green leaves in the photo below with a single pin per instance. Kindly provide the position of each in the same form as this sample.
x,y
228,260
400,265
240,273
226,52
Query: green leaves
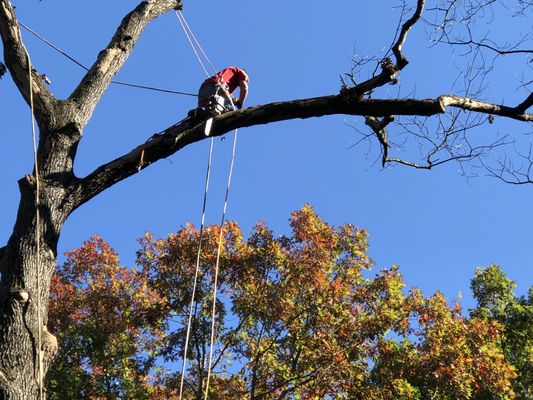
x,y
492,290
498,303
296,320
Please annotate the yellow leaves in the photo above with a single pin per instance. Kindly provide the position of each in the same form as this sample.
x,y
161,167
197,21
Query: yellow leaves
x,y
299,316
463,352
312,231
404,390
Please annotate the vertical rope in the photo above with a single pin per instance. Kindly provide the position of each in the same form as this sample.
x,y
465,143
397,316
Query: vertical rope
x,y
188,33
196,41
208,173
213,310
196,273
37,235
192,44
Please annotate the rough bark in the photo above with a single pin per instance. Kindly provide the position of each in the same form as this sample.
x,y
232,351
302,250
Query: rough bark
x,y
25,282
61,124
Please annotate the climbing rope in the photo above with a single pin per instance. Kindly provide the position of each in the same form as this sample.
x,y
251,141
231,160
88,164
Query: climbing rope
x,y
193,42
188,34
197,270
180,15
134,85
217,264
37,234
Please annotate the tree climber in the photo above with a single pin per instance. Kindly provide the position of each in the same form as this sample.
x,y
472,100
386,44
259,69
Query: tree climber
x,y
223,84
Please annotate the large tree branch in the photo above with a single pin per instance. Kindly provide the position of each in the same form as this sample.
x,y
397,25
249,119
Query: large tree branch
x,y
522,107
111,59
180,135
17,61
467,104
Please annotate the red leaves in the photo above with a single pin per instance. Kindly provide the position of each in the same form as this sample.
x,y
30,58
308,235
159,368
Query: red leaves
x,y
108,319
298,316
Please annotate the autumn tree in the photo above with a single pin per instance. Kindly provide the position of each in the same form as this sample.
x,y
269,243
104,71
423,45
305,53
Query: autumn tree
x,y
170,266
108,322
496,301
51,192
300,316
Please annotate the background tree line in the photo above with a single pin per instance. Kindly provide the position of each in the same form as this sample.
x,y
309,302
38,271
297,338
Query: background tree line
x,y
301,317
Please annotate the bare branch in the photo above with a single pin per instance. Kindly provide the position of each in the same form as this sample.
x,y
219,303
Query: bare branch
x,y
522,107
459,12
485,43
16,60
178,136
448,141
506,170
379,126
474,153
462,16
401,60
492,47
388,69
111,59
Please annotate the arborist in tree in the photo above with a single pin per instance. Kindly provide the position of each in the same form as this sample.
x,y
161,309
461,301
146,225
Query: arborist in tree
x,y
223,84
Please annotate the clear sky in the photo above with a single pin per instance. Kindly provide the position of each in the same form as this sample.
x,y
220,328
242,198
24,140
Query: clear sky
x,y
437,225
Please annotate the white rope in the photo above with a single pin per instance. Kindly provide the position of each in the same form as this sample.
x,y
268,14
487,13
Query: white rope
x,y
192,44
200,239
188,33
196,41
189,323
37,235
215,283
134,85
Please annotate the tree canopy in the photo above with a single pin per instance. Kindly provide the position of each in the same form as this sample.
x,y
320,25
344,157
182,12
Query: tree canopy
x,y
302,316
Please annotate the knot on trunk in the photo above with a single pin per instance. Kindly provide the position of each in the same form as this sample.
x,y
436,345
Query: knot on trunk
x,y
20,295
49,347
49,343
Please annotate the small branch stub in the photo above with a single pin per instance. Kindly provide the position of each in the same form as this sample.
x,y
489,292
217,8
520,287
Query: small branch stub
x,y
389,70
20,295
379,127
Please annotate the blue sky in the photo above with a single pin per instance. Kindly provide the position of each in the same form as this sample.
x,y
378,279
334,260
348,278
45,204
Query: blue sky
x,y
437,225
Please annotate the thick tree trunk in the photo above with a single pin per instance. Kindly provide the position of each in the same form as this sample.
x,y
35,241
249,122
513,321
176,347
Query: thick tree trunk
x,y
25,285
28,260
